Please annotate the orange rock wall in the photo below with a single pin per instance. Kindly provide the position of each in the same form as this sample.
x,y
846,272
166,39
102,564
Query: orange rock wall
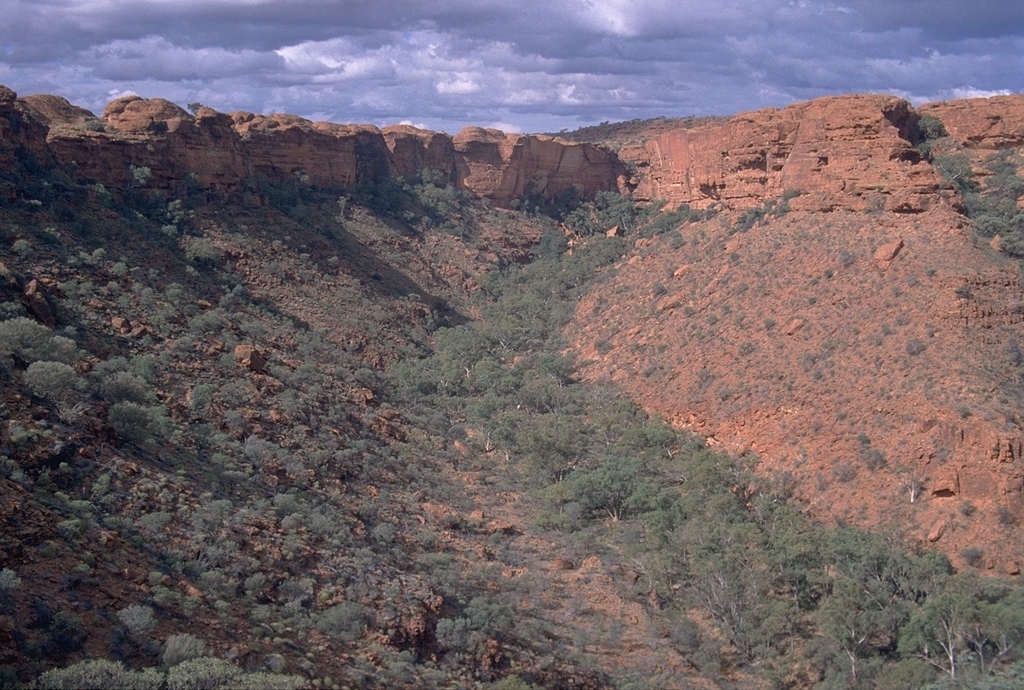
x,y
222,150
853,152
503,167
982,123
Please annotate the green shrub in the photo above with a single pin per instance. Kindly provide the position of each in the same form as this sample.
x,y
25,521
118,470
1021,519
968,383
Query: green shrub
x,y
973,556
34,342
122,386
22,248
51,380
207,673
346,621
135,423
181,648
99,673
201,250
138,621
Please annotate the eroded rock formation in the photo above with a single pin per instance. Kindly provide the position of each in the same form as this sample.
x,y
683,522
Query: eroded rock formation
x,y
851,152
220,151
982,123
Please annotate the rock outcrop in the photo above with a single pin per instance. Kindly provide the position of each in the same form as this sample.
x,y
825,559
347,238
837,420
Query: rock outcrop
x,y
327,154
503,167
219,152
982,123
20,132
414,150
56,110
851,152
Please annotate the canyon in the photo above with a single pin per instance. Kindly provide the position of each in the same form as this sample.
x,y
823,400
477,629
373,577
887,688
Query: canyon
x,y
822,305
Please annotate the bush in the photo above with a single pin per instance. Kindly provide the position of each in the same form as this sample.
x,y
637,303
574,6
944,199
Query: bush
x,y
34,342
346,621
9,581
207,673
202,251
138,621
133,422
51,380
124,387
99,673
181,648
973,556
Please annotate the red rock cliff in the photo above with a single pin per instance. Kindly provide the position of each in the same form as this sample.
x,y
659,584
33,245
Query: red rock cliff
x,y
982,123
414,150
502,167
221,150
851,152
21,129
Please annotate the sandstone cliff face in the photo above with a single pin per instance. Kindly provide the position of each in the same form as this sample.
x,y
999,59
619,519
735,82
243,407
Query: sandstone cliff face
x,y
852,152
502,167
221,150
55,110
414,150
330,155
982,123
19,129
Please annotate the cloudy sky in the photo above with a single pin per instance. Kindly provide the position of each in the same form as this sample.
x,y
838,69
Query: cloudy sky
x,y
523,65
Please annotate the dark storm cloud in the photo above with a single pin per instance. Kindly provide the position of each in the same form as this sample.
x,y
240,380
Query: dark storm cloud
x,y
534,65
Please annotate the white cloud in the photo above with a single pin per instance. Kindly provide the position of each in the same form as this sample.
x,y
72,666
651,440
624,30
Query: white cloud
x,y
459,85
971,92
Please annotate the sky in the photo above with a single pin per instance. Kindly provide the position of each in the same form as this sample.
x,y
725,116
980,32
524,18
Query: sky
x,y
518,65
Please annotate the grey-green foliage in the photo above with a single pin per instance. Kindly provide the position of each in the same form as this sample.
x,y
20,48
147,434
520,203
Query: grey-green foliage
x,y
122,386
138,621
204,673
135,423
181,648
202,396
346,621
201,250
9,581
99,673
994,208
52,380
34,342
207,673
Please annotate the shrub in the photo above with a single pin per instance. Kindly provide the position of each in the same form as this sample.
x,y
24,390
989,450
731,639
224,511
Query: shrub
x,y
973,555
207,673
133,422
124,387
9,582
34,342
22,248
202,251
181,648
844,472
930,127
916,347
1005,516
100,673
138,621
51,380
346,621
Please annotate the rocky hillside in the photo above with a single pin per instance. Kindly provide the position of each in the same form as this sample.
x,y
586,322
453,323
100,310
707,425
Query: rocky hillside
x,y
849,322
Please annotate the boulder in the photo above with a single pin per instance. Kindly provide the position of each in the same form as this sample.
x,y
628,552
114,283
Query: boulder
x,y
248,357
887,253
